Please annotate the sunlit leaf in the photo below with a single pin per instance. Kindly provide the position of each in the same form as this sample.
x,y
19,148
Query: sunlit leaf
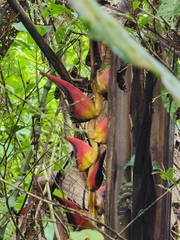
x,y
11,201
43,29
19,27
135,5
22,43
49,231
55,9
86,234
16,128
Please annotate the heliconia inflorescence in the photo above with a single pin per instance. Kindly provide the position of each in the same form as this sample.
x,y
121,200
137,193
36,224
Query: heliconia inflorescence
x,y
83,109
84,154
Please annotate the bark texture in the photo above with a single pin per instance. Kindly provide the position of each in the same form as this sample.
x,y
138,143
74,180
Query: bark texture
x,y
162,139
144,193
118,146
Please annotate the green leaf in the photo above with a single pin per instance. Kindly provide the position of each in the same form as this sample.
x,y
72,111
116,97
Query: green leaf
x,y
130,163
22,43
135,5
16,128
49,231
12,201
143,21
43,29
30,86
60,34
86,234
170,105
155,165
169,175
55,10
19,27
161,186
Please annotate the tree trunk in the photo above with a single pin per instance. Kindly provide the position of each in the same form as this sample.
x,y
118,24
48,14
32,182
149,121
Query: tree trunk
x,y
118,146
143,183
162,139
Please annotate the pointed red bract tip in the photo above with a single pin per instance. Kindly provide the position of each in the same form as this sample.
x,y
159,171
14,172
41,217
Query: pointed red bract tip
x,y
68,203
22,213
104,77
101,192
95,175
102,82
82,152
80,221
101,131
81,107
100,200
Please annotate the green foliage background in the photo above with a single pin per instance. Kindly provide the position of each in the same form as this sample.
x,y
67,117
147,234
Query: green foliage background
x,y
28,107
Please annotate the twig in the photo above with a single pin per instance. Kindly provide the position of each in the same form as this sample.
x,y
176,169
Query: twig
x,y
71,210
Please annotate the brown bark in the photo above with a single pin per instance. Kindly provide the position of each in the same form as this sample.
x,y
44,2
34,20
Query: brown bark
x,y
7,32
137,99
143,183
162,139
118,146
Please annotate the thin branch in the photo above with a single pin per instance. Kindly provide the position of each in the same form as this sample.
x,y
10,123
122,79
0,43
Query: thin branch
x,y
67,208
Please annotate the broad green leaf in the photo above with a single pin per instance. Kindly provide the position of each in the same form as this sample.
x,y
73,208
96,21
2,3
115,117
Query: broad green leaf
x,y
143,21
22,43
86,234
49,231
130,163
43,29
16,128
169,175
19,27
12,201
30,86
60,34
104,27
171,106
55,10
155,165
135,5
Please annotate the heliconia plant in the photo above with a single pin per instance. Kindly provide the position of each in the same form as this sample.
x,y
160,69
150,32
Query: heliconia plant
x,y
101,82
100,200
78,221
98,133
94,181
82,108
95,174
84,154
